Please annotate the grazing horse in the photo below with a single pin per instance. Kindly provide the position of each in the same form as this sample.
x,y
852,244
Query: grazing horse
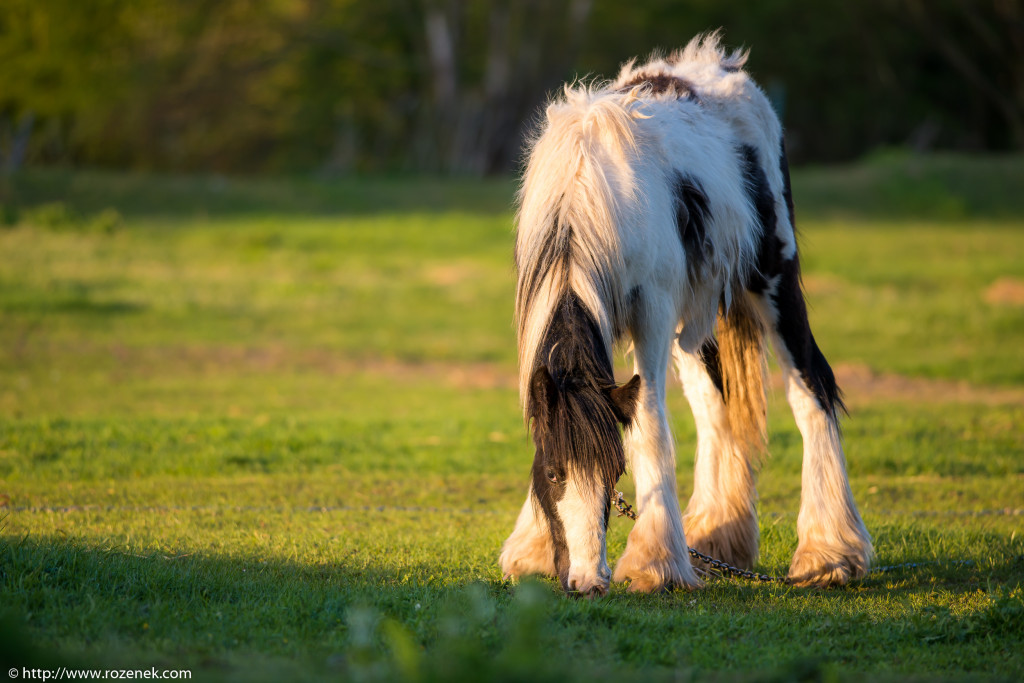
x,y
657,209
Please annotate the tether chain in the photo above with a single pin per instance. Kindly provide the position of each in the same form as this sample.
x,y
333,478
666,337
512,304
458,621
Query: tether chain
x,y
626,510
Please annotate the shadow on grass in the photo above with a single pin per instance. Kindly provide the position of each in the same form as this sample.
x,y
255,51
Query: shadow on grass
x,y
76,605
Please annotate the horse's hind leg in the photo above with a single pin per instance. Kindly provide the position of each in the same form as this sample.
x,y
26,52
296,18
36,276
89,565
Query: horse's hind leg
x,y
720,519
834,547
656,555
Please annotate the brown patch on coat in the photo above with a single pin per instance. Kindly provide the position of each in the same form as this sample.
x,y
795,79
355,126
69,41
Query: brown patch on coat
x,y
662,84
742,360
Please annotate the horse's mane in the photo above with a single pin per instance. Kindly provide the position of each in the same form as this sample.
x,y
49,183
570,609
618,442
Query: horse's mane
x,y
702,52
577,179
579,183
706,48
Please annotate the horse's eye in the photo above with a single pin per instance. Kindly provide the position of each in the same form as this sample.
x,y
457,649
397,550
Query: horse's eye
x,y
550,474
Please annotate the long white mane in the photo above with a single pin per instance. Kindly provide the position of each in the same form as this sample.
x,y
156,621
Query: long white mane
x,y
580,185
573,193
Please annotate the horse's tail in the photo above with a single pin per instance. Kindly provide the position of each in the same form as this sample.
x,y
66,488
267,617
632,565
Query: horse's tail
x,y
742,357
577,179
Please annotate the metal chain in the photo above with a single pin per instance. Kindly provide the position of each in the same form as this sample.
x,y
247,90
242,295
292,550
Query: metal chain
x,y
626,510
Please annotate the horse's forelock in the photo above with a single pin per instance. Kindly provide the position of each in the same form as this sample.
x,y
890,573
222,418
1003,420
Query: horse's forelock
x,y
579,433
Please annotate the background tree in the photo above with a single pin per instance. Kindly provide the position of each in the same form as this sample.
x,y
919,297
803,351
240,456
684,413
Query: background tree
x,y
453,85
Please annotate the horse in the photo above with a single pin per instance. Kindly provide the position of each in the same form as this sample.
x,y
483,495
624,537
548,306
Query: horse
x,y
656,210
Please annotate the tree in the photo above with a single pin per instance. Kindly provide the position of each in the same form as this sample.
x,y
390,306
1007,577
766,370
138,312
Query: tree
x,y
455,85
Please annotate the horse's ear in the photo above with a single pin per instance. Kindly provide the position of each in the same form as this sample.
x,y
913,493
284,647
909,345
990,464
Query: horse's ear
x,y
624,400
542,394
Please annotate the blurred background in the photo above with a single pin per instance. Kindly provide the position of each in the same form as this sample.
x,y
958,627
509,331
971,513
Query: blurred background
x,y
450,86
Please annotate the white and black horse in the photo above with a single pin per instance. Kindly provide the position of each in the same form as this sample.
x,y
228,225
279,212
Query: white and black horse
x,y
657,209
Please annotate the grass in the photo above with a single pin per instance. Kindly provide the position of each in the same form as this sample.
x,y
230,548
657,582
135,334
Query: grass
x,y
268,429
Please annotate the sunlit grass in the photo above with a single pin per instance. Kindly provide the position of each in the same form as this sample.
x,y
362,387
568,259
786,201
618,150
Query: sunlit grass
x,y
269,430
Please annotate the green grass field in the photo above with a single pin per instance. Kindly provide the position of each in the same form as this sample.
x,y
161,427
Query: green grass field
x,y
268,430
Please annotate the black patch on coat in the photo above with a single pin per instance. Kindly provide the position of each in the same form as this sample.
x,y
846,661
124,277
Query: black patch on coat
x,y
769,253
787,189
692,215
661,83
791,325
708,353
547,494
795,332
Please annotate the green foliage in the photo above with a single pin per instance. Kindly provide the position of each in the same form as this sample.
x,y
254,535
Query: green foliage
x,y
57,217
894,184
342,85
212,85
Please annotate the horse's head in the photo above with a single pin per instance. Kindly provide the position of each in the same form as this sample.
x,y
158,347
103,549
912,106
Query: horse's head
x,y
579,459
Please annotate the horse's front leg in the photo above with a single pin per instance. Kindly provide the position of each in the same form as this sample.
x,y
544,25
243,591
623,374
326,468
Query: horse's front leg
x,y
656,555
528,550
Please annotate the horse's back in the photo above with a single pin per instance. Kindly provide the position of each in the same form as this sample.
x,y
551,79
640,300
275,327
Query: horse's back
x,y
643,187
726,93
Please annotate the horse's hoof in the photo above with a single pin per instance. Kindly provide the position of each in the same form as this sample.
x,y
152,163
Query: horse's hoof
x,y
652,577
588,593
644,584
733,542
526,557
822,568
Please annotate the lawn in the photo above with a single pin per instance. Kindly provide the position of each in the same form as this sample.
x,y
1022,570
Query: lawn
x,y
268,429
